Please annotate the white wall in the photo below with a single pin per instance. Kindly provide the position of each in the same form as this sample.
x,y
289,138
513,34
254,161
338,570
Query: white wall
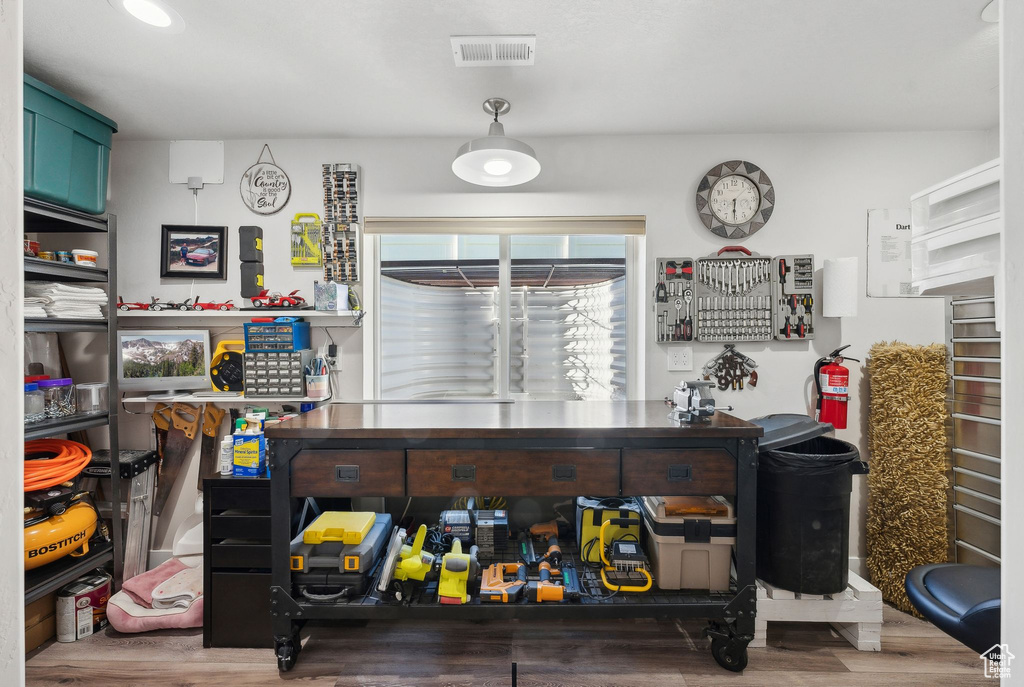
x,y
1011,117
824,184
12,574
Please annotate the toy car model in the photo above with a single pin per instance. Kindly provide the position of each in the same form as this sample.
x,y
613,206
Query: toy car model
x,y
266,299
212,305
172,305
125,307
201,256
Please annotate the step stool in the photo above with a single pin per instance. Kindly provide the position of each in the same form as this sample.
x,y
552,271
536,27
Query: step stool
x,y
140,468
855,613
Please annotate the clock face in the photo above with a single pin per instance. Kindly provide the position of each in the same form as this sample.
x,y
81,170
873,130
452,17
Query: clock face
x,y
734,199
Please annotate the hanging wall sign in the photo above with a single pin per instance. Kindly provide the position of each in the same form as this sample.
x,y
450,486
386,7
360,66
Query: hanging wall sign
x,y
265,187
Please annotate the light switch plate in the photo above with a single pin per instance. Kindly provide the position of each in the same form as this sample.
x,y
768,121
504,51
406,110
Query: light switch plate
x,y
680,358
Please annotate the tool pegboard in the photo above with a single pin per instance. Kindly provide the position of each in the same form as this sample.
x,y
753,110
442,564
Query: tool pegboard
x,y
342,216
674,300
793,297
734,296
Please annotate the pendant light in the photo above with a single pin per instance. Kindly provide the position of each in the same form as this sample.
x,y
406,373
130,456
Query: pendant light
x,y
496,160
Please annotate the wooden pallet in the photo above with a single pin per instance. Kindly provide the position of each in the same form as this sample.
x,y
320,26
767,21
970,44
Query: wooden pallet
x,y
856,613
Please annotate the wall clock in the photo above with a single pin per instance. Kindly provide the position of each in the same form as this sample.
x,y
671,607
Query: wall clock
x,y
735,199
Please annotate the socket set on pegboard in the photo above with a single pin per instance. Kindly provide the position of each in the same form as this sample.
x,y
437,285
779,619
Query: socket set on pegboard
x,y
793,291
733,296
674,299
340,236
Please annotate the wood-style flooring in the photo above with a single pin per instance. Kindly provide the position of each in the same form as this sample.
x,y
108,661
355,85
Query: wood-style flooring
x,y
628,653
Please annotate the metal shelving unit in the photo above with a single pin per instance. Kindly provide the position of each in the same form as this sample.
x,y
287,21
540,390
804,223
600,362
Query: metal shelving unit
x,y
43,218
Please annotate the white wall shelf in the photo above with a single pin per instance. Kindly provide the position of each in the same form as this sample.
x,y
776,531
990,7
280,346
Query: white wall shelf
x,y
241,314
221,400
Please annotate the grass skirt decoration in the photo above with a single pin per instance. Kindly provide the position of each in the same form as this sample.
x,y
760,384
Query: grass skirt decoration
x,y
907,447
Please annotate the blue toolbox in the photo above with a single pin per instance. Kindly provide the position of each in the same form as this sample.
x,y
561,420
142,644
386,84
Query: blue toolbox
x,y
282,336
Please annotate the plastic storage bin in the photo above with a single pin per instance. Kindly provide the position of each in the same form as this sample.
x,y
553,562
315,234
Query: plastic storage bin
x,y
92,398
804,482
35,409
692,551
59,397
67,149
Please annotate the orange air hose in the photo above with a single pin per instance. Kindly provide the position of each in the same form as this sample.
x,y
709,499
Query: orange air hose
x,y
65,459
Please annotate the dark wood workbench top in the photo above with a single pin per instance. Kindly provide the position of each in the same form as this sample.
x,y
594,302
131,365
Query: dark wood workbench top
x,y
540,419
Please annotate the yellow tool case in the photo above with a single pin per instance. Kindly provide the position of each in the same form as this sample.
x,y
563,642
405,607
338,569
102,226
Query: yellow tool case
x,y
340,526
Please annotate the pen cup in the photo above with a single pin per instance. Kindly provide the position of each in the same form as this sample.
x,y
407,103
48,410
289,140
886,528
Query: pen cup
x,y
318,387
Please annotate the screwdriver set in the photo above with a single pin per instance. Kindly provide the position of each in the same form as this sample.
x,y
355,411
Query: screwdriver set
x,y
734,295
793,297
674,299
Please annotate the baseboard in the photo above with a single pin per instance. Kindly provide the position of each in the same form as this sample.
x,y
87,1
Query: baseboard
x,y
159,556
859,566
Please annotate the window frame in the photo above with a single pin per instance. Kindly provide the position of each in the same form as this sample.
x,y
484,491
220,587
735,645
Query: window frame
x,y
635,277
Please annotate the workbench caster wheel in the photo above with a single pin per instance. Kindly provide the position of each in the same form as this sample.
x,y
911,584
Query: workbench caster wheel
x,y
731,654
286,655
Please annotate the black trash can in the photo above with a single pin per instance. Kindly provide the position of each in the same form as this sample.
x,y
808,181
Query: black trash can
x,y
804,482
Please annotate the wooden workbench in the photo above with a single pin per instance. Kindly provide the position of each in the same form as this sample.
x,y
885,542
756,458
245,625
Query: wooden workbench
x,y
530,448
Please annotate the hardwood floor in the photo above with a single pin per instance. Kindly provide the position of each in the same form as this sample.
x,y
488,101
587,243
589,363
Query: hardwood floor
x,y
629,653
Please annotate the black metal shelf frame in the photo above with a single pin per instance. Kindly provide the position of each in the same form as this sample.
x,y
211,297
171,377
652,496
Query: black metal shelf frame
x,y
53,576
41,217
48,270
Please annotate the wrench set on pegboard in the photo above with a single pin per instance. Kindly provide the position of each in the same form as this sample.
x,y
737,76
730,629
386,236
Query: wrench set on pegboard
x,y
728,298
340,235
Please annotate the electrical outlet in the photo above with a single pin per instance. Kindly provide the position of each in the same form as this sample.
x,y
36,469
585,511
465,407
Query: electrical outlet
x,y
680,358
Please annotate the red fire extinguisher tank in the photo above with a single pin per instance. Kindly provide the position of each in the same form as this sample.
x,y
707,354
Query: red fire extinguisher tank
x,y
835,394
832,380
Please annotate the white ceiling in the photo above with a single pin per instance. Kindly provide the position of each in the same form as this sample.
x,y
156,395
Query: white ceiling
x,y
331,68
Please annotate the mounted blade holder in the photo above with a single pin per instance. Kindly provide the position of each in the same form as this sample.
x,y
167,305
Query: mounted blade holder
x,y
183,430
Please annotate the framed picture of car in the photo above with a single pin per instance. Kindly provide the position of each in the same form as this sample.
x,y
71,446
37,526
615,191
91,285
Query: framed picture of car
x,y
189,251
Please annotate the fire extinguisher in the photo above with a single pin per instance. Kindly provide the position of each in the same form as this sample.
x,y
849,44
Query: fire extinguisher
x,y
832,380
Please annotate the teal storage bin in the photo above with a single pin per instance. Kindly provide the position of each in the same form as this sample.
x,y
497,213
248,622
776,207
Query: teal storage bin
x,y
67,149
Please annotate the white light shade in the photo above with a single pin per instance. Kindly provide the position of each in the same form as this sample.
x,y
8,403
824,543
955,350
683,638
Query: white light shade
x,y
155,13
496,160
839,293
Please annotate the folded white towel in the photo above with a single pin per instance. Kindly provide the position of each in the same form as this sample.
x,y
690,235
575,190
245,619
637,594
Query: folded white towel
x,y
180,590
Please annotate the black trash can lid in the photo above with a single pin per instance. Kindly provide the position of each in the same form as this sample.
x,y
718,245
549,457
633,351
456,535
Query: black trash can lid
x,y
786,429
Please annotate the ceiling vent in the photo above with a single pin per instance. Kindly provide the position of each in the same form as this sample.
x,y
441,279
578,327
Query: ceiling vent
x,y
493,51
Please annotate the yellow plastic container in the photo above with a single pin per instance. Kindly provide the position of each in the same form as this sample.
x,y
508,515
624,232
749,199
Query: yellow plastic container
x,y
333,525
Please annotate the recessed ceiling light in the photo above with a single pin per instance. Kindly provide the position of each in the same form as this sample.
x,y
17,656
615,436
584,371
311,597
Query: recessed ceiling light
x,y
991,12
154,13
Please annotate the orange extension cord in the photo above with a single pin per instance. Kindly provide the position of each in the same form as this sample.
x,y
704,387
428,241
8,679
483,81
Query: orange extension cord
x,y
66,459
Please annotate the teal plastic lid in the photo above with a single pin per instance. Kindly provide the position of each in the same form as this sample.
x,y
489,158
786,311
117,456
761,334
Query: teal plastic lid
x,y
69,101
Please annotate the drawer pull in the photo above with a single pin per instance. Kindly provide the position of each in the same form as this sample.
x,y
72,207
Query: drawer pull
x,y
680,473
463,473
346,473
563,473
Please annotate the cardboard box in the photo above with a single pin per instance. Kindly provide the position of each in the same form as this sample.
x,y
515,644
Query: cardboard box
x,y
40,621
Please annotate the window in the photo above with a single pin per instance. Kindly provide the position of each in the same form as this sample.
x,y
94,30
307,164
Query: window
x,y
443,299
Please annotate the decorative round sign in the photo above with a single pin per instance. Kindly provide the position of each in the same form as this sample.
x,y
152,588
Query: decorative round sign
x,y
265,187
735,199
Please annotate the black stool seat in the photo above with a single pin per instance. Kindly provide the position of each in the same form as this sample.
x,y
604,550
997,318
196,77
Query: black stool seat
x,y
961,600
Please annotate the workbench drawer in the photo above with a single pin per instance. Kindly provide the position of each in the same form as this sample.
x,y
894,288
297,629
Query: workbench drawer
x,y
237,555
328,473
238,525
524,472
244,498
678,472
